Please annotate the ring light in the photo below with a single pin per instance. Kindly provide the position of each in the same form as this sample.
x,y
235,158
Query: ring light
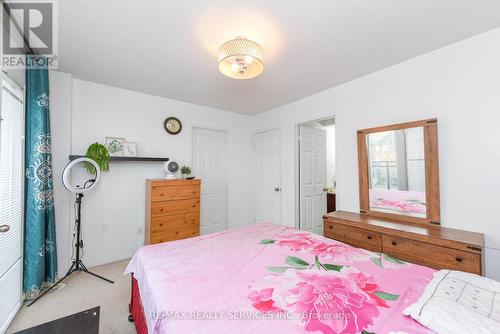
x,y
79,189
77,263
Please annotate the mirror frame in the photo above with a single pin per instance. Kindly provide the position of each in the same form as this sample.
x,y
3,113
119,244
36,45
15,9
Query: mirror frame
x,y
431,172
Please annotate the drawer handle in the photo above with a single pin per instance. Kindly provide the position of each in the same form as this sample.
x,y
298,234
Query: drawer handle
x,y
330,227
194,205
369,237
458,258
161,209
394,242
161,194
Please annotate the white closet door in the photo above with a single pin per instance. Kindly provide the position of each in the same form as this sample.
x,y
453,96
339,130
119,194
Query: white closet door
x,y
312,179
210,165
267,177
11,200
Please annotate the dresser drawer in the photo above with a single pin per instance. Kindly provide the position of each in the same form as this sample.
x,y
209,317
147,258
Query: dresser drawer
x,y
171,235
175,222
431,255
356,237
175,207
159,194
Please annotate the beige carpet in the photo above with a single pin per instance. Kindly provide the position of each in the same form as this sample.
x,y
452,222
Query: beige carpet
x,y
84,291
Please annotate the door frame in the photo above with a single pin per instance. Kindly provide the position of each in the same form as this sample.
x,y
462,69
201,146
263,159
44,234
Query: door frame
x,y
297,161
4,76
228,160
254,186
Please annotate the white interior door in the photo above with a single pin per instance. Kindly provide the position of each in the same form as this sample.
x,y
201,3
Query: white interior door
x,y
267,177
312,164
210,165
11,201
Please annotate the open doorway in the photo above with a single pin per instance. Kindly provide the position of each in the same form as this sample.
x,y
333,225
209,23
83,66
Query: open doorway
x,y
316,177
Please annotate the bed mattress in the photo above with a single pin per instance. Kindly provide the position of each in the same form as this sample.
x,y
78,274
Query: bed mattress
x,y
269,278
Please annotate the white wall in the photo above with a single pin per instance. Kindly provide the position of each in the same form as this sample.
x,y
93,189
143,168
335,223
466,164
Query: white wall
x,y
458,84
85,112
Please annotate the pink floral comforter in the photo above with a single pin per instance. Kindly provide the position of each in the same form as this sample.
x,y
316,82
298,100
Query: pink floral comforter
x,y
268,278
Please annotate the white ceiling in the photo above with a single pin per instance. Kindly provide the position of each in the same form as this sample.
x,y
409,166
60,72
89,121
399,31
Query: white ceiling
x,y
169,48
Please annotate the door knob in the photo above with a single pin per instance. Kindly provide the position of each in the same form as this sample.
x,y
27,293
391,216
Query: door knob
x,y
4,228
277,189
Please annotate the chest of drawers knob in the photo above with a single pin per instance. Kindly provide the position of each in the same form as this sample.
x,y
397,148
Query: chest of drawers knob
x,y
394,243
458,258
369,237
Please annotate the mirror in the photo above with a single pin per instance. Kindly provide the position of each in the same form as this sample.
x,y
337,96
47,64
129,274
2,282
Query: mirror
x,y
396,168
399,171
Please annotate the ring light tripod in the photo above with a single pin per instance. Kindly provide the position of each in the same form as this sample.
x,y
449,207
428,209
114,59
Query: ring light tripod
x,y
77,264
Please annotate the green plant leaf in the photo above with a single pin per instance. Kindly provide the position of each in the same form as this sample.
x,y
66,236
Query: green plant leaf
x,y
278,269
377,261
329,266
266,242
296,262
385,295
99,153
393,259
186,170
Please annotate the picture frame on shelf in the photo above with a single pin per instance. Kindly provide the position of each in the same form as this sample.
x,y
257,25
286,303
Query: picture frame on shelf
x,y
114,146
129,149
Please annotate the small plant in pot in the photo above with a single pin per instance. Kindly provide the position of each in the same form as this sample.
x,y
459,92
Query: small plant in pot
x,y
99,153
185,171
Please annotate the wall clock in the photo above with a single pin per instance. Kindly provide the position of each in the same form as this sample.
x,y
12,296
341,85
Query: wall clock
x,y
172,125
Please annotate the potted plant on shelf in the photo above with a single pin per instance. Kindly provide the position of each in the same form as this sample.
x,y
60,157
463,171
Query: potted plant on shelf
x,y
99,153
185,171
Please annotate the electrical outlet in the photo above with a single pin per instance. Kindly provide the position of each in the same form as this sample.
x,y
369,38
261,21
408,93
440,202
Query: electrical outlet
x,y
140,230
104,227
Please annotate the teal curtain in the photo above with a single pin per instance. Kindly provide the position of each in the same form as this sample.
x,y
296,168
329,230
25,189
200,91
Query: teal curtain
x,y
40,260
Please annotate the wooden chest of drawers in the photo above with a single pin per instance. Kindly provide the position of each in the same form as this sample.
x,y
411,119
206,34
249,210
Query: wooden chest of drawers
x,y
172,210
431,246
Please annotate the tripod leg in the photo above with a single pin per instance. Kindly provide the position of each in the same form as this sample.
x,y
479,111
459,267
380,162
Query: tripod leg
x,y
52,286
91,273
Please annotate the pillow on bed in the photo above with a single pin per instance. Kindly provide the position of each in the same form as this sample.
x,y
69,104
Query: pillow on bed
x,y
456,302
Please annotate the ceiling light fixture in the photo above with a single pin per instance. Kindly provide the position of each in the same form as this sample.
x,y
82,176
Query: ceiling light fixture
x,y
241,58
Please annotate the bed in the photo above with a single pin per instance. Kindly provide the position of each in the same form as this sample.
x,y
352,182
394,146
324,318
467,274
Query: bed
x,y
268,278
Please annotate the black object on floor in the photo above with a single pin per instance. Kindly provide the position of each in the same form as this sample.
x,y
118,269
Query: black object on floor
x,y
85,322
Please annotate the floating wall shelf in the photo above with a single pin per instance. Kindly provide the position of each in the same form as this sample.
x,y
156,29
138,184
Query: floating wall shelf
x,y
73,157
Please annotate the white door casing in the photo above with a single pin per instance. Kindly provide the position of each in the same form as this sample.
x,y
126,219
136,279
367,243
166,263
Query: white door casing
x,y
210,164
312,178
267,181
11,200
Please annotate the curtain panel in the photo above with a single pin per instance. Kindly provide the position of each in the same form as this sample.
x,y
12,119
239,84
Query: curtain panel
x,y
40,257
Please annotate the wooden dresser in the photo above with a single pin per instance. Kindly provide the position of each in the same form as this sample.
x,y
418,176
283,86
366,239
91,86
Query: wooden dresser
x,y
172,210
432,246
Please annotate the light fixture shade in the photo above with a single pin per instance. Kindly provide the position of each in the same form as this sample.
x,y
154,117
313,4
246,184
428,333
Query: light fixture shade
x,y
241,58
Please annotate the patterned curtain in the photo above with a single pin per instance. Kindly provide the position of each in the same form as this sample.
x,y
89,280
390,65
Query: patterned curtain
x,y
40,260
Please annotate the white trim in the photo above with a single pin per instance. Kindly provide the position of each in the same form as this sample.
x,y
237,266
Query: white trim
x,y
17,92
